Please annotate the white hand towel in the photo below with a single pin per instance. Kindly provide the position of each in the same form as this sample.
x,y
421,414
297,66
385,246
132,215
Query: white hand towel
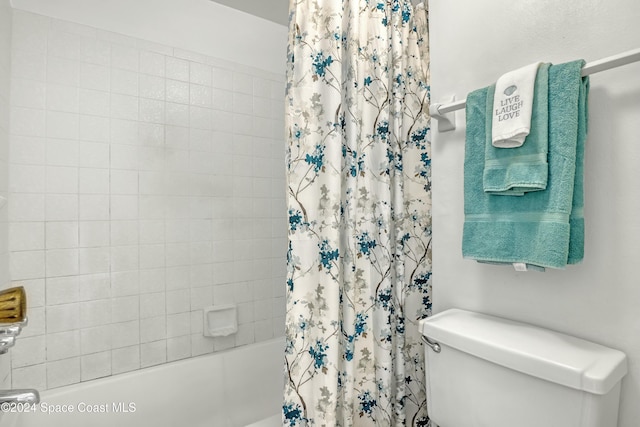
x,y
512,106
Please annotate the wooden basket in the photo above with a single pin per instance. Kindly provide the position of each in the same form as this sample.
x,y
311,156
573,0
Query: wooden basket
x,y
13,305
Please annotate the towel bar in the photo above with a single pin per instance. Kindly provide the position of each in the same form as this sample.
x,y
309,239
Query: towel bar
x,y
441,111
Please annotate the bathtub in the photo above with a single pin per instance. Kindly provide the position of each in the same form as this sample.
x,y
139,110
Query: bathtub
x,y
235,388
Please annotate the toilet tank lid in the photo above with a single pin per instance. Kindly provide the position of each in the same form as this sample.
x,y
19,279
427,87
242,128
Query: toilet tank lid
x,y
542,353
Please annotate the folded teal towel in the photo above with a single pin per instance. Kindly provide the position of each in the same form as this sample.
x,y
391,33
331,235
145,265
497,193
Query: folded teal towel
x,y
516,171
541,228
576,220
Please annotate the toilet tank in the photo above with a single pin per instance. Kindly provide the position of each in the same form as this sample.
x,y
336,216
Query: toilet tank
x,y
494,372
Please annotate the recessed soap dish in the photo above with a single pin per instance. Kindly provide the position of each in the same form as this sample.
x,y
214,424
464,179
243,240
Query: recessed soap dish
x,y
220,320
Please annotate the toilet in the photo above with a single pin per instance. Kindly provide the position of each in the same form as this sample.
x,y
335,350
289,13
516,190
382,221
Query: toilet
x,y
485,371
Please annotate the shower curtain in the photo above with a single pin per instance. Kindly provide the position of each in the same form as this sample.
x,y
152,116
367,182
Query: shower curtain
x,y
358,176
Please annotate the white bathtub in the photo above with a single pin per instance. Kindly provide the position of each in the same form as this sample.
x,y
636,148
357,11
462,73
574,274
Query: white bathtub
x,y
234,388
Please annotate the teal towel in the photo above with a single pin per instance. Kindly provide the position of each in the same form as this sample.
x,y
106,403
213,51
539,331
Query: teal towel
x,y
576,220
516,171
541,228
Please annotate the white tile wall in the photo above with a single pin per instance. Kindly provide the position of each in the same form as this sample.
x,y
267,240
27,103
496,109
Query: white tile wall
x,y
145,186
30,95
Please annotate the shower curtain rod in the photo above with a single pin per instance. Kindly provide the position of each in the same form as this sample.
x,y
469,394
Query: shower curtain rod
x,y
447,122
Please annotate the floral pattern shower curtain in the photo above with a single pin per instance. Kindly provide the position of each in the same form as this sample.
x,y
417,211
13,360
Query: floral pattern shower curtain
x,y
359,257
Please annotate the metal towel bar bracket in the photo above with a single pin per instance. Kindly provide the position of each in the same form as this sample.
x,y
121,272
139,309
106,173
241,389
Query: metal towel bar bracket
x,y
446,120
